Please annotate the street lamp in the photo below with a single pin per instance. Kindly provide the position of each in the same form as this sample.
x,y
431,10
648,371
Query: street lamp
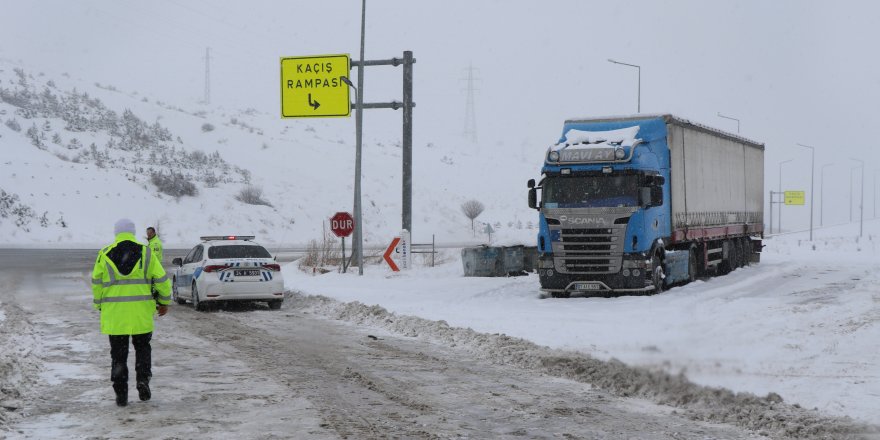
x,y
357,240
779,226
732,119
851,191
812,172
862,202
639,102
874,202
822,192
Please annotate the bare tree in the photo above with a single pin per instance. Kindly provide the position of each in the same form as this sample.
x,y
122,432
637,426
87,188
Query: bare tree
x,y
472,209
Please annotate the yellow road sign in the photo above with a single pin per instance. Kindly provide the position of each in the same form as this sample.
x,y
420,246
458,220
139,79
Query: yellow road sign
x,y
311,88
794,197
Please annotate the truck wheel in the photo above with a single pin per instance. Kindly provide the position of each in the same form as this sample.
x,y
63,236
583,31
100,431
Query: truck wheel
x,y
726,265
747,251
275,304
657,274
734,255
692,265
741,253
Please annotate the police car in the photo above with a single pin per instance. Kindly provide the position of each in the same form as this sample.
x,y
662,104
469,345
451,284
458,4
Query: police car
x,y
227,268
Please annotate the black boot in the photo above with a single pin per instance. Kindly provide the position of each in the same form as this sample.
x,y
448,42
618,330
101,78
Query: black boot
x,y
143,388
121,389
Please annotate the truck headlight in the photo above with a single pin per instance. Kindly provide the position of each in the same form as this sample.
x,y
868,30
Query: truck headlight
x,y
626,272
553,156
636,272
619,154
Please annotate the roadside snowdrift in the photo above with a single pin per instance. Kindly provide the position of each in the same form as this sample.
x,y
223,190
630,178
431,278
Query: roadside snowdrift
x,y
767,415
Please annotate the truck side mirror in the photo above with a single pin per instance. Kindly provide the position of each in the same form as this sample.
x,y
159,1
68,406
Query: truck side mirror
x,y
177,261
645,196
531,183
655,180
657,195
533,197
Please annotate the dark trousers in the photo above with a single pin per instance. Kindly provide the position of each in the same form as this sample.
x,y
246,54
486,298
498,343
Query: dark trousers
x,y
119,355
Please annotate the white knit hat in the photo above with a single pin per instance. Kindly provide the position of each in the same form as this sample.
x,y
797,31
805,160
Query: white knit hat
x,y
123,225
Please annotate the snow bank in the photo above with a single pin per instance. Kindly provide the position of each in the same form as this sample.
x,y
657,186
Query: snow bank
x,y
19,364
767,415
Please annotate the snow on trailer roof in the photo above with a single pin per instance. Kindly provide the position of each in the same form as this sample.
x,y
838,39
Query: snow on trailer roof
x,y
669,118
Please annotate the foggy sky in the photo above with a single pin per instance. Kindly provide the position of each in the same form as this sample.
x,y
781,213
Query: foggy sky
x,y
791,71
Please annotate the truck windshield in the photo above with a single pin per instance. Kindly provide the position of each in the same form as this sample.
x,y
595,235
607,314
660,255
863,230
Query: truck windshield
x,y
591,191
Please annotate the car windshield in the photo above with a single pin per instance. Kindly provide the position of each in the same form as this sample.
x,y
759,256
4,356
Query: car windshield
x,y
238,251
591,191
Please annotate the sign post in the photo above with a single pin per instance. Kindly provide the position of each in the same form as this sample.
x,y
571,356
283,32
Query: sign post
x,y
342,224
404,249
387,255
311,86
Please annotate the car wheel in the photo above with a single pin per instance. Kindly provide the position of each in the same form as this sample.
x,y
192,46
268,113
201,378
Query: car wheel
x,y
658,276
174,294
198,305
275,304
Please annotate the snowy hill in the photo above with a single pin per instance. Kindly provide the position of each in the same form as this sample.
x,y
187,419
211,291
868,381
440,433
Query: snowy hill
x,y
79,155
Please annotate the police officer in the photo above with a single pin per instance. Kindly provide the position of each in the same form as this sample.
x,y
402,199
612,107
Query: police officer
x,y
125,273
154,243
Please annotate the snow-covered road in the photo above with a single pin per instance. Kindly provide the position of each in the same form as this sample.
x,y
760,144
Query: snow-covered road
x,y
804,323
255,373
431,354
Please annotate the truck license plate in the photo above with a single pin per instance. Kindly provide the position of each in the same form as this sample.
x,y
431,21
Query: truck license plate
x,y
587,286
247,273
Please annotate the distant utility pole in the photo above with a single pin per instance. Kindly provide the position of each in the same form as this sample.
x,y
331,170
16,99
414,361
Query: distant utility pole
x,y
207,75
470,114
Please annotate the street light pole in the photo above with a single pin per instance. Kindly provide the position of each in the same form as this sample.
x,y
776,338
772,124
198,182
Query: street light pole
x,y
822,193
639,102
851,191
779,225
358,239
732,119
874,199
862,202
812,172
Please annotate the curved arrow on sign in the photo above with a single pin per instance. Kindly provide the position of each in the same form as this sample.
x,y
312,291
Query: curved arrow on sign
x,y
315,104
388,252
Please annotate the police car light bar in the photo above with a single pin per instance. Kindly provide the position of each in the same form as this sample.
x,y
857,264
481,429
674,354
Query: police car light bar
x,y
227,237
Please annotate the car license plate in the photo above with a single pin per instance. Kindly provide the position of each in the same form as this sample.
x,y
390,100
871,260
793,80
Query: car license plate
x,y
246,273
587,286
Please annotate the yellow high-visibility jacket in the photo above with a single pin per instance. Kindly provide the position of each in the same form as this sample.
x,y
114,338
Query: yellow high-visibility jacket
x,y
156,246
125,301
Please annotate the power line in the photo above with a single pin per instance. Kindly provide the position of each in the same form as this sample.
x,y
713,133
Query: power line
x,y
207,75
470,112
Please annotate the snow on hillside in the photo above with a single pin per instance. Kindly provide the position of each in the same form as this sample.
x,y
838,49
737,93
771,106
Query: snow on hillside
x,y
79,155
